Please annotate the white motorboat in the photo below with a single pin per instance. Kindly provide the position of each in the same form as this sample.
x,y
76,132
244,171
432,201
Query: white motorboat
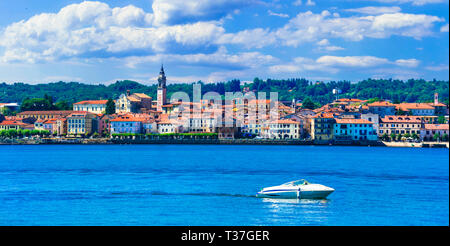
x,y
300,189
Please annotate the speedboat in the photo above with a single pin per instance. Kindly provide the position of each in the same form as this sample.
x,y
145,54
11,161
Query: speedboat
x,y
299,189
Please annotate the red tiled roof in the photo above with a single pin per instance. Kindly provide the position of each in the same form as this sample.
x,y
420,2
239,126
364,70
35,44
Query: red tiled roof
x,y
381,104
409,106
12,123
349,100
401,119
92,102
127,118
50,112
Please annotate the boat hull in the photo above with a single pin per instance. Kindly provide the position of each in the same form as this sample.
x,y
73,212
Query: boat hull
x,y
294,194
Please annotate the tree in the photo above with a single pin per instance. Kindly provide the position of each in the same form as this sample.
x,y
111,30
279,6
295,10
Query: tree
x,y
62,105
308,103
441,120
415,136
445,137
110,107
392,136
385,137
36,104
8,112
436,136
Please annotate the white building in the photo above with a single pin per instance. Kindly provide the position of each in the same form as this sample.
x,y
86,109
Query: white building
x,y
281,129
93,106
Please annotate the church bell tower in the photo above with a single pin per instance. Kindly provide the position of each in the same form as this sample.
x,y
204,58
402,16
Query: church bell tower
x,y
162,90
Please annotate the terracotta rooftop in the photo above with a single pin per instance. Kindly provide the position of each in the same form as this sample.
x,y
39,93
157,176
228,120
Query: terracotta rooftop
x,y
381,104
91,102
409,106
50,112
401,119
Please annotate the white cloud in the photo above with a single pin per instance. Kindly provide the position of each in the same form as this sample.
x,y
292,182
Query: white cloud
x,y
180,11
310,27
375,10
444,28
310,3
334,64
413,2
351,61
93,29
277,14
407,62
324,44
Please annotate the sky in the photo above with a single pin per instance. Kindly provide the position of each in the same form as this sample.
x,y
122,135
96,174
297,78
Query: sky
x,y
100,42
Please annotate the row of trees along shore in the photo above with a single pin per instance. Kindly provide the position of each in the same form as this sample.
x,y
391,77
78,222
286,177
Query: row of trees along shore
x,y
61,95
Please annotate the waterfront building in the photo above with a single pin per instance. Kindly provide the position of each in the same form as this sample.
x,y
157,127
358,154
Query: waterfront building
x,y
430,130
61,126
93,106
322,127
354,130
50,125
400,124
382,108
104,123
166,125
281,129
202,123
374,118
300,118
43,115
127,123
82,123
149,126
133,103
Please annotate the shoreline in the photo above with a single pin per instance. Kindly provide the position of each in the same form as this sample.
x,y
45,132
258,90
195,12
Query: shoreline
x,y
108,141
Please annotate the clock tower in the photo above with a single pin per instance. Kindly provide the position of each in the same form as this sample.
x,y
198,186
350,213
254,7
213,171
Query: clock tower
x,y
162,90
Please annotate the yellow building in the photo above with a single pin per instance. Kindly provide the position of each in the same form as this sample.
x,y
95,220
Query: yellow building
x,y
82,123
322,127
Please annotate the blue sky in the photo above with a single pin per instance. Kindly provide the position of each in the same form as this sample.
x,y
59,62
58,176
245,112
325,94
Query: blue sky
x,y
104,41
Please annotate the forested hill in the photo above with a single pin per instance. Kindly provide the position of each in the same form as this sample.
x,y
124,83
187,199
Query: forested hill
x,y
395,90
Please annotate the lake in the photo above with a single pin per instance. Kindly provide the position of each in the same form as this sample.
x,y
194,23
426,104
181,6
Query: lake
x,y
216,185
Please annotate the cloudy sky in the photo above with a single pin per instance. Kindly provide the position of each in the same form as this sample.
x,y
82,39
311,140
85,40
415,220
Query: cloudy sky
x,y
109,40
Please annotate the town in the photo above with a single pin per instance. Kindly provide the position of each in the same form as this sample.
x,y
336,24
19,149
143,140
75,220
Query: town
x,y
137,116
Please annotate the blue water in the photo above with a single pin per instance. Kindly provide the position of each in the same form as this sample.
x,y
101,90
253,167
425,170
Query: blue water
x,y
215,185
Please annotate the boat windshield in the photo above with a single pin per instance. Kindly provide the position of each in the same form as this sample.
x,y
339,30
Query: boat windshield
x,y
297,182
